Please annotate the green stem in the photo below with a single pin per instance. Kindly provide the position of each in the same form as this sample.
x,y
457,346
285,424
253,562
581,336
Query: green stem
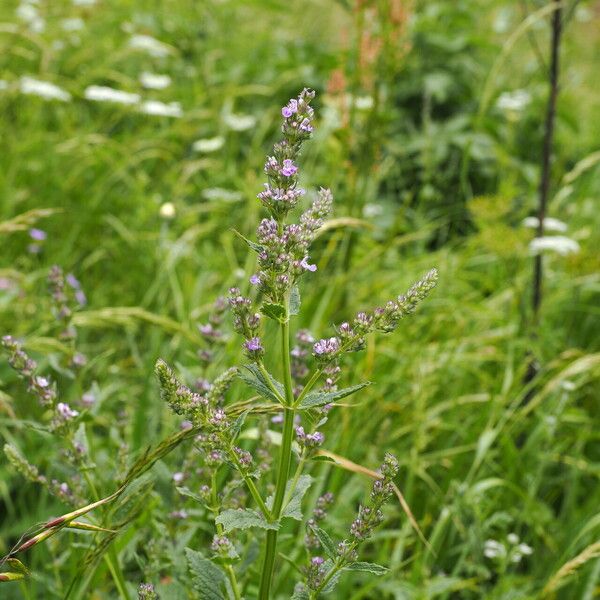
x,y
228,568
284,462
265,373
250,484
110,558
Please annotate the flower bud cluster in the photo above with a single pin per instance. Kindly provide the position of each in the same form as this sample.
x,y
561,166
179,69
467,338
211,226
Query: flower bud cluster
x,y
319,514
350,336
283,249
308,440
38,385
370,516
315,573
222,546
247,323
66,294
146,591
281,191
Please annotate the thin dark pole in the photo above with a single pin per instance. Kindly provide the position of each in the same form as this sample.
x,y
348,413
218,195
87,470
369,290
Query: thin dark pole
x,y
547,154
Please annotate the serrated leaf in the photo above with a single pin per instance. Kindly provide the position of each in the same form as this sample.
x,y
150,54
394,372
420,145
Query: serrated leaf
x,y
367,568
208,578
314,399
252,377
238,424
295,300
274,311
256,247
330,586
184,491
293,509
243,518
300,592
325,541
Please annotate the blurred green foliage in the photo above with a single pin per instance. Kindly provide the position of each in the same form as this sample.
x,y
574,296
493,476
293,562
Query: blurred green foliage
x,y
435,177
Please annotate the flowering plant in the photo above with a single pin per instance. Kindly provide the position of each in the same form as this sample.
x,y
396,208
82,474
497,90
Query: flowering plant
x,y
237,489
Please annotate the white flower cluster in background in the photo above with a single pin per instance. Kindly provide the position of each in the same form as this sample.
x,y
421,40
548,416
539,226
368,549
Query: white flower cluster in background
x,y
44,89
514,101
513,550
560,244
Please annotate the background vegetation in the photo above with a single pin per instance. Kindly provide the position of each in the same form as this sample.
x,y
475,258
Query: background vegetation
x,y
422,150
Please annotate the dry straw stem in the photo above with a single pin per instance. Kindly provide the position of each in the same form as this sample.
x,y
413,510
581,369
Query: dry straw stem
x,y
25,220
344,463
569,568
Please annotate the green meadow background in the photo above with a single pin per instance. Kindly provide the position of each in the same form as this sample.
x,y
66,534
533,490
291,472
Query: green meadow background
x,y
429,166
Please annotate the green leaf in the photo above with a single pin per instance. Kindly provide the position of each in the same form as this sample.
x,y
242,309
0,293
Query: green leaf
x,y
208,578
323,459
330,586
314,399
255,379
256,247
184,491
293,508
300,592
367,568
274,311
243,518
325,541
295,301
238,424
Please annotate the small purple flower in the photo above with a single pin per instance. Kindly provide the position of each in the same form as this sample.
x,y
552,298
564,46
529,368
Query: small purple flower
x,y
254,347
326,347
65,411
88,399
304,264
79,359
289,168
317,561
178,477
73,281
80,297
255,279
37,234
186,425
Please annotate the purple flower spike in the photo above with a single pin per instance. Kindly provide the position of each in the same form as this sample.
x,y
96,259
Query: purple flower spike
x,y
37,234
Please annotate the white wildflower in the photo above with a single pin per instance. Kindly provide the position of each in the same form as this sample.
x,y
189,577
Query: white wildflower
x,y
27,12
167,210
372,210
555,243
160,109
525,549
101,93
153,81
493,549
207,145
150,45
550,224
514,101
43,89
516,557
512,538
239,122
364,102
75,24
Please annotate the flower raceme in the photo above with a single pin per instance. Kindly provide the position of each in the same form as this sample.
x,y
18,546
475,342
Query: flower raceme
x,y
283,256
